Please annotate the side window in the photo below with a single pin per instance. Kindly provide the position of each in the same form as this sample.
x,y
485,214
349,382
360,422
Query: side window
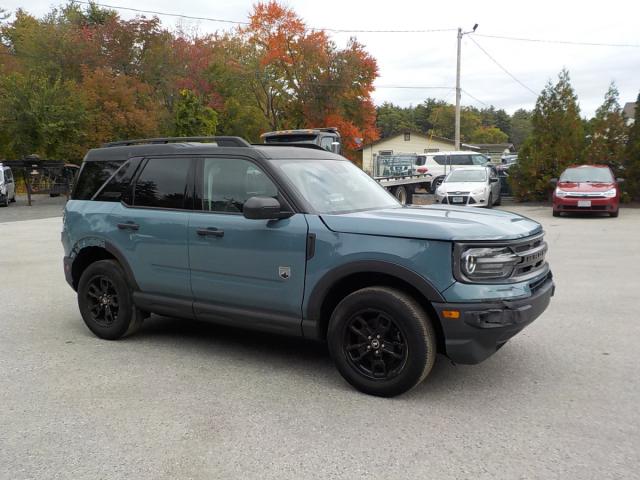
x,y
461,160
325,142
440,159
479,159
229,182
162,183
420,160
115,189
8,176
92,177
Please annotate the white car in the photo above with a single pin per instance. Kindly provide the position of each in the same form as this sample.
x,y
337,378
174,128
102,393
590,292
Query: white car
x,y
439,164
470,186
7,186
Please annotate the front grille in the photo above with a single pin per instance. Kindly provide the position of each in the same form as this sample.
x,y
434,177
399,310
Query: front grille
x,y
466,200
584,195
532,253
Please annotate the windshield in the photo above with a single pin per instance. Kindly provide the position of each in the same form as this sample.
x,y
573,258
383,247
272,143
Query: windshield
x,y
587,174
467,176
335,186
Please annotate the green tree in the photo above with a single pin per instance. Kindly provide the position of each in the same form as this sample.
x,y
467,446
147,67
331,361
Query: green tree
x,y
521,126
392,119
632,156
608,132
192,117
40,116
488,135
443,120
557,140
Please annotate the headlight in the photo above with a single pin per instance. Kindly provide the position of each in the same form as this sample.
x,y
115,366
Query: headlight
x,y
478,191
3,190
488,263
610,193
561,193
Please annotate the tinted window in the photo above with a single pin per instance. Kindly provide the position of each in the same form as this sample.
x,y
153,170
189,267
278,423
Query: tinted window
x,y
92,177
8,176
229,182
113,191
461,160
479,159
162,183
440,159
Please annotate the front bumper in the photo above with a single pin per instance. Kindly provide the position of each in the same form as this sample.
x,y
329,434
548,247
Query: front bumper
x,y
482,328
570,204
463,200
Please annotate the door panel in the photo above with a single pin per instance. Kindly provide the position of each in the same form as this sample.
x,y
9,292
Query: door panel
x,y
244,270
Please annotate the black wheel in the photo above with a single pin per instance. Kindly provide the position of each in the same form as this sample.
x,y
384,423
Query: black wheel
x,y
490,201
401,194
105,302
436,183
498,202
614,214
6,202
381,341
556,213
13,200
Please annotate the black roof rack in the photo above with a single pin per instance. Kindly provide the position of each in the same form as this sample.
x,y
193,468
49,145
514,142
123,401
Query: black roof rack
x,y
221,141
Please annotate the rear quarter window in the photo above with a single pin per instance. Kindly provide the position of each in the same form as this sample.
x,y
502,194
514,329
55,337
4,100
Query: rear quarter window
x,y
92,176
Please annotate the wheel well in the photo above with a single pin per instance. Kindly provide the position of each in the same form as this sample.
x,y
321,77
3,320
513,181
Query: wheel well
x,y
357,281
86,257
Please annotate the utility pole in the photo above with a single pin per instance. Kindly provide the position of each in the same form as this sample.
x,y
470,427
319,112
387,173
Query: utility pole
x,y
458,89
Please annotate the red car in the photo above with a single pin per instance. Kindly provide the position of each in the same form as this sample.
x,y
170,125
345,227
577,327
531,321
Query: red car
x,y
586,188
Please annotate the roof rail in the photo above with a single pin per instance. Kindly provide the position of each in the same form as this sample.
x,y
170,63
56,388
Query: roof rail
x,y
221,141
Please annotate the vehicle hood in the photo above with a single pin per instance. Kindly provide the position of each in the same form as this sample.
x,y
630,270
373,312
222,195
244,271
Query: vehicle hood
x,y
585,186
450,187
435,222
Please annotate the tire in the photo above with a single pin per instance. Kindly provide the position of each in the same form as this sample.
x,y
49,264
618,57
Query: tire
x,y
105,281
556,213
490,201
364,321
13,200
402,194
498,202
6,201
435,184
615,214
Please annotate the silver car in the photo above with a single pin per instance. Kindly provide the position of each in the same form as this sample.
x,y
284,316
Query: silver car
x,y
470,186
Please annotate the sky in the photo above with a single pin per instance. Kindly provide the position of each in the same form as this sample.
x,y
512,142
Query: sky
x,y
429,59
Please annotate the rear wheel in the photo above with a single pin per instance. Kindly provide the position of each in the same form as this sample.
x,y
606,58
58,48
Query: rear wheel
x,y
6,201
382,341
105,301
404,194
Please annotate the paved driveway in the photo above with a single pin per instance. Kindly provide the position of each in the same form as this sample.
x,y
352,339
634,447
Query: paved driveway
x,y
183,400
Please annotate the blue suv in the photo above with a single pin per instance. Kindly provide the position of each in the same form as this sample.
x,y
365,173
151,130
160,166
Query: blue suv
x,y
297,241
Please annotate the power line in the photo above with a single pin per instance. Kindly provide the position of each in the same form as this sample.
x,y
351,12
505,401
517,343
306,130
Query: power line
x,y
474,98
501,67
561,42
237,22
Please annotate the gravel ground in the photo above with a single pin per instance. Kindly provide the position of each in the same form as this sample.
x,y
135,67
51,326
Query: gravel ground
x,y
195,401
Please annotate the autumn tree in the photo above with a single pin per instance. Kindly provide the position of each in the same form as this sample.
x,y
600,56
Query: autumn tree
x,y
557,140
490,134
608,132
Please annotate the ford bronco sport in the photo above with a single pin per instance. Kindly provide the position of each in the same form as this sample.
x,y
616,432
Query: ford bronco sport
x,y
297,241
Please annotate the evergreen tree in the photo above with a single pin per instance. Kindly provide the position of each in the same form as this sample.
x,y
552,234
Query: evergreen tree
x,y
632,159
608,132
557,140
521,126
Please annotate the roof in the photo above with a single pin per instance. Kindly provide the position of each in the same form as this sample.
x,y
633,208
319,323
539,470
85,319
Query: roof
x,y
123,152
629,110
412,132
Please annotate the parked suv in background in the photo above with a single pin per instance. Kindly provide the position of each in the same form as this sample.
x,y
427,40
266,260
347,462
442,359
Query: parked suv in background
x,y
441,163
7,186
302,242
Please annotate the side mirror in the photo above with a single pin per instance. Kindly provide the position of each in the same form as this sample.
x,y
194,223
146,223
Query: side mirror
x,y
263,208
494,180
335,147
620,180
553,181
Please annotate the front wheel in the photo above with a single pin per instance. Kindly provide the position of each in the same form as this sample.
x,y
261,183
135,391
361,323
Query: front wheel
x,y
614,214
436,183
105,301
490,201
382,341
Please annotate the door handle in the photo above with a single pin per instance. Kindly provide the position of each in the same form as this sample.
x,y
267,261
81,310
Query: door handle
x,y
210,232
128,226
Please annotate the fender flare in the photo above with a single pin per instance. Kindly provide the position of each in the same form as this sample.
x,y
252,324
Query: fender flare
x,y
312,314
88,242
